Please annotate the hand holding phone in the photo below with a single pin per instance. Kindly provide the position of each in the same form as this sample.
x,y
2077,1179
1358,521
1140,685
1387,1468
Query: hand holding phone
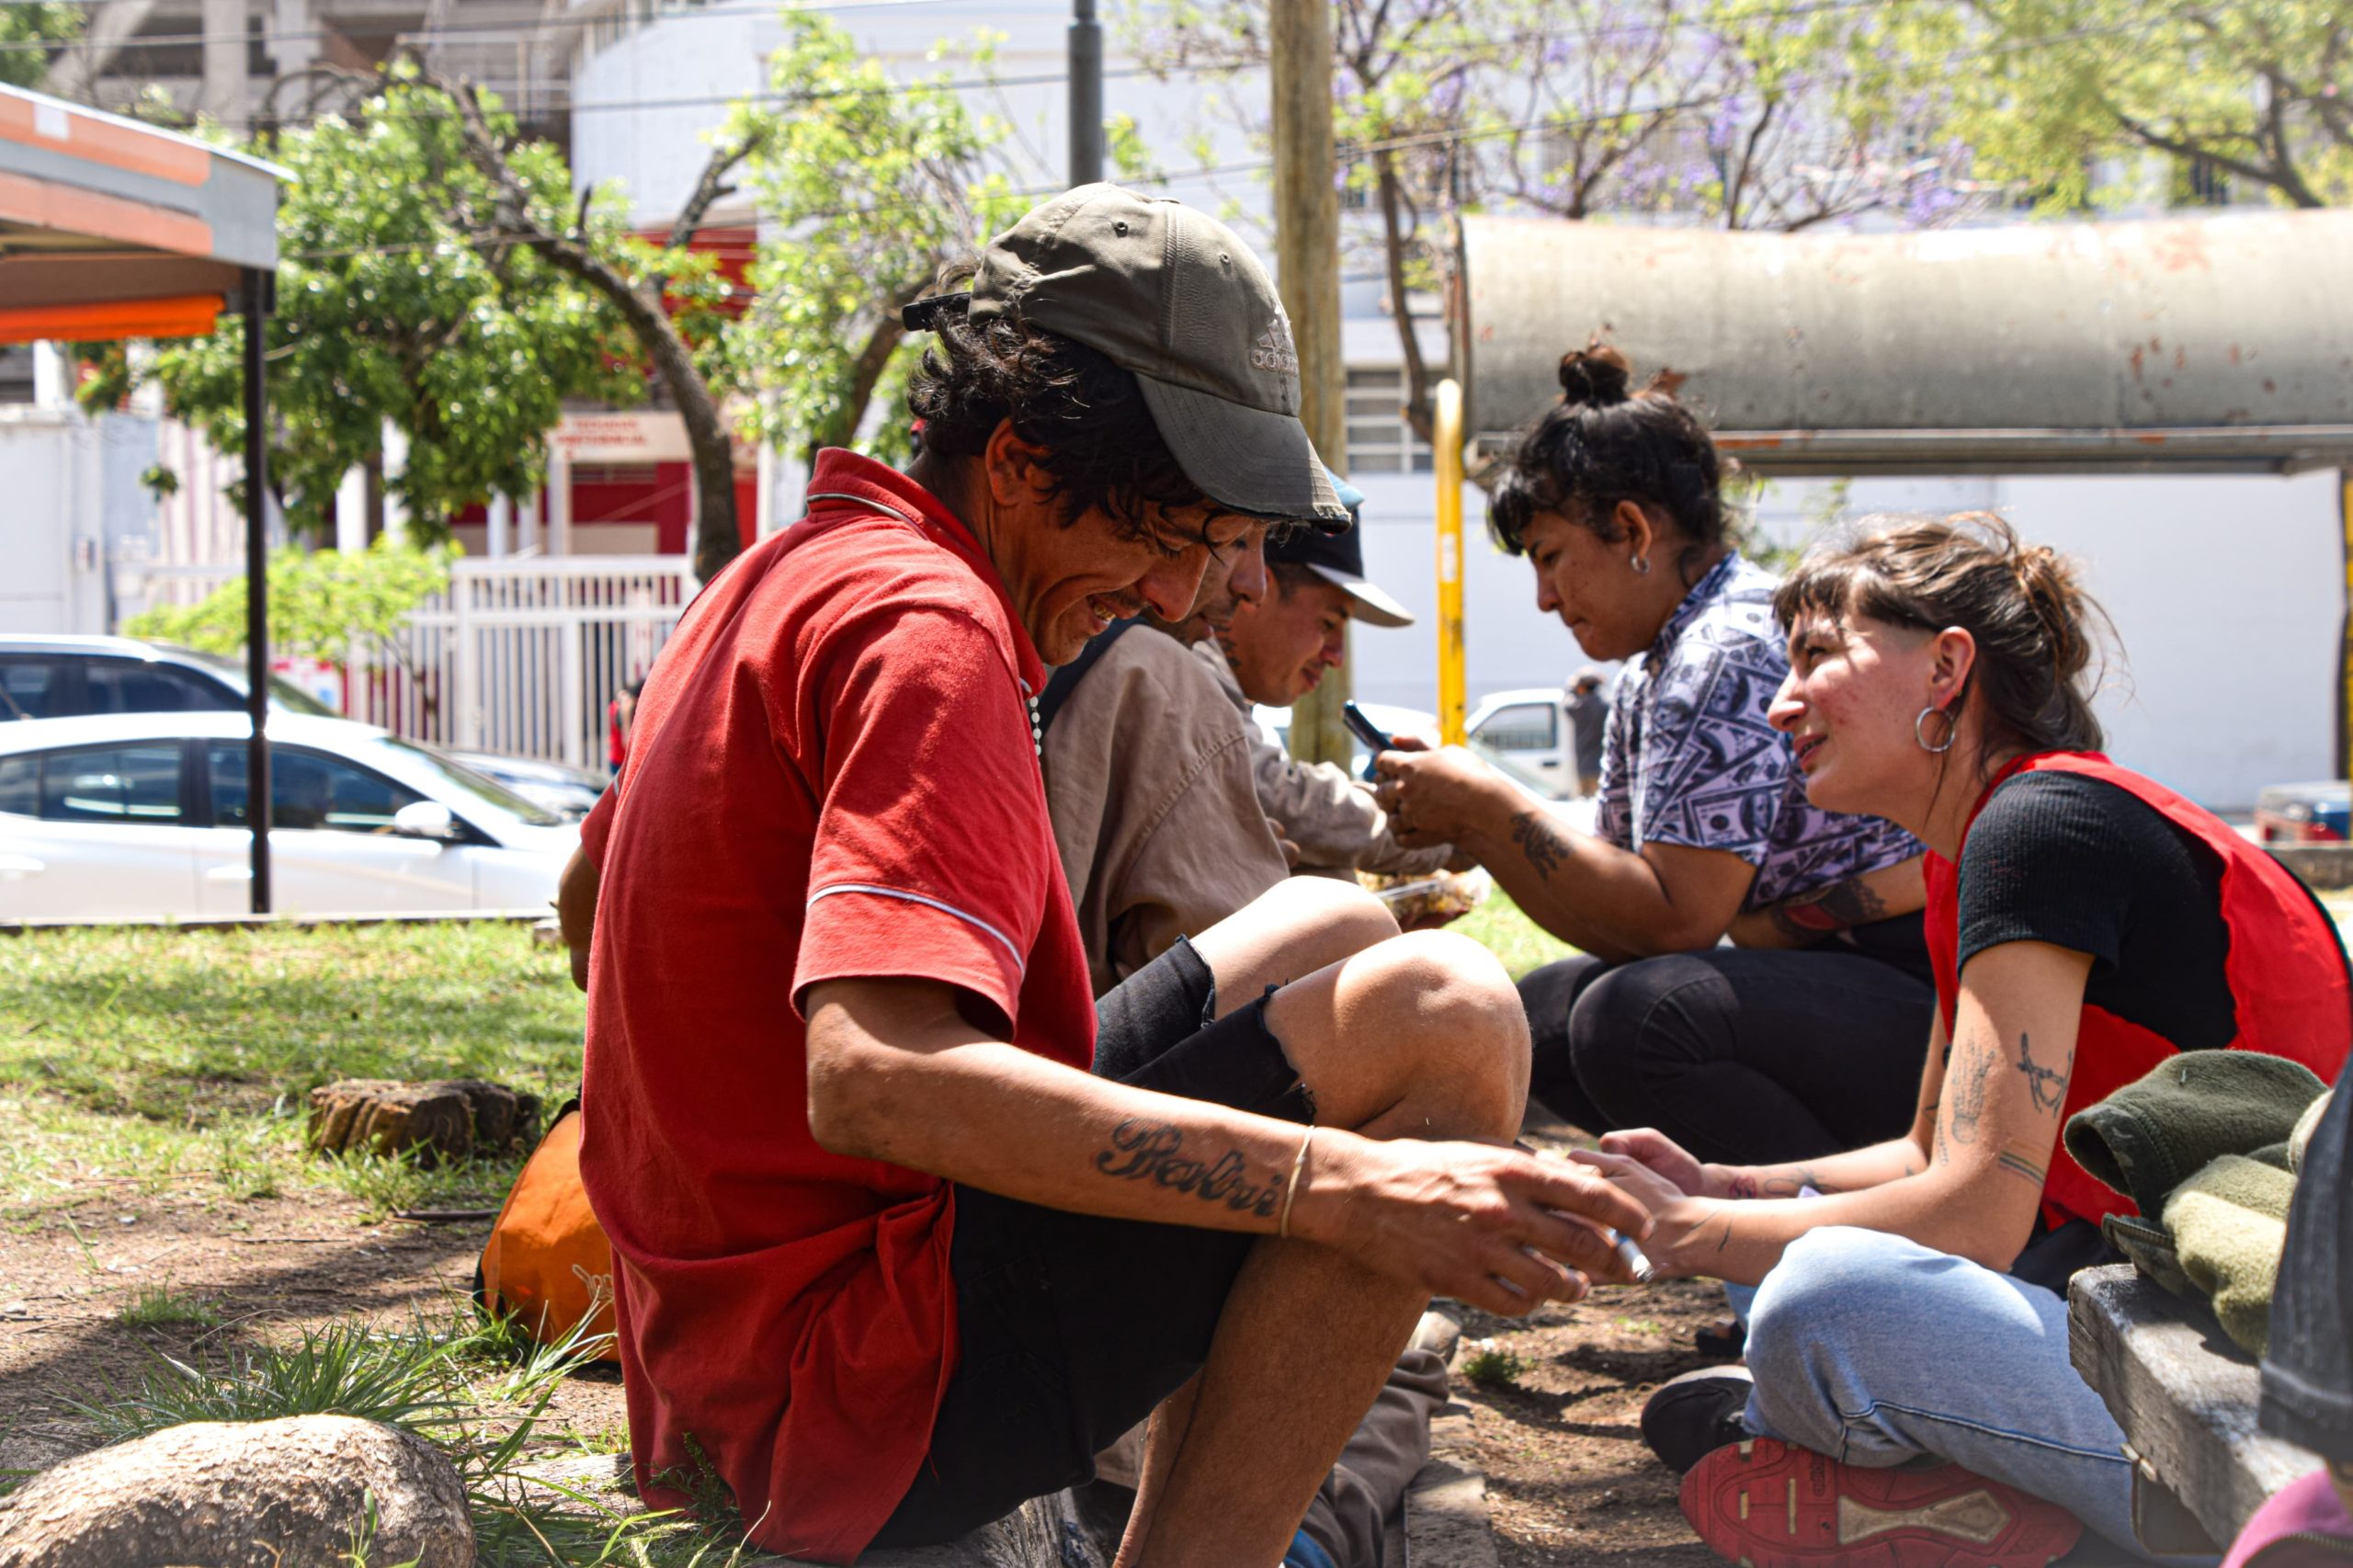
x,y
1364,729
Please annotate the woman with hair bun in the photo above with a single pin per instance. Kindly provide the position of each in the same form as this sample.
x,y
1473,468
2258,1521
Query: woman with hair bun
x,y
1614,496
2086,924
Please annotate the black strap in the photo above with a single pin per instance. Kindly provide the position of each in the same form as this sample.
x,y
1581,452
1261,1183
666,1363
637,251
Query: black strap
x,y
1064,680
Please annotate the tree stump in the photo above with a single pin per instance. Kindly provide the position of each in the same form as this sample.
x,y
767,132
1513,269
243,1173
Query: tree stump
x,y
243,1495
450,1118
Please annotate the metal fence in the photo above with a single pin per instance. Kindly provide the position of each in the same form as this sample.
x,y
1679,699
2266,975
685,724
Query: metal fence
x,y
520,656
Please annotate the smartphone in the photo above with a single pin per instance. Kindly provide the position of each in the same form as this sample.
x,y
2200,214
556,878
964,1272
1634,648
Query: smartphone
x,y
1365,729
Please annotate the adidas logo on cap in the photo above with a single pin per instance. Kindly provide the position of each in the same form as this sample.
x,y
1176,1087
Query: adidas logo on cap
x,y
1273,350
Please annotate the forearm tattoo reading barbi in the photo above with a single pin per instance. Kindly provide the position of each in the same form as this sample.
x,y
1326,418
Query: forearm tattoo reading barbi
x,y
1147,1150
1543,848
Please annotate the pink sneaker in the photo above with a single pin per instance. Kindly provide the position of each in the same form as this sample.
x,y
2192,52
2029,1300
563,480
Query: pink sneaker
x,y
1763,1504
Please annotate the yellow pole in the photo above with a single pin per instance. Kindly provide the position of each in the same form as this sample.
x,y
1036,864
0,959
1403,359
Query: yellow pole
x,y
2345,636
1445,434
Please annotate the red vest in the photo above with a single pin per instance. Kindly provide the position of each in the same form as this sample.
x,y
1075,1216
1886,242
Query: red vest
x,y
2286,972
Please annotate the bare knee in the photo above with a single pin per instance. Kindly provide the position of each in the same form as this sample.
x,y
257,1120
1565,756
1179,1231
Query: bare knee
x,y
1290,931
1452,1038
1326,919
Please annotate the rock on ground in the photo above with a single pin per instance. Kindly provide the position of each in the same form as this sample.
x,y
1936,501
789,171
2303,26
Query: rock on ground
x,y
288,1493
450,1118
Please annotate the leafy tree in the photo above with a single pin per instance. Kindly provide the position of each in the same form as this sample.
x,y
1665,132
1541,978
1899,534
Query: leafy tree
x,y
869,188
392,307
1741,113
320,602
641,284
2262,92
23,28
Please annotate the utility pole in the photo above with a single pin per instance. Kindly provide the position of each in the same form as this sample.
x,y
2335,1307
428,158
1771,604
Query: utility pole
x,y
1307,261
1085,93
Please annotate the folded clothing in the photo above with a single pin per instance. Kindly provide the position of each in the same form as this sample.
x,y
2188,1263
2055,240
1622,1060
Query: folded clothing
x,y
2228,1223
2154,1133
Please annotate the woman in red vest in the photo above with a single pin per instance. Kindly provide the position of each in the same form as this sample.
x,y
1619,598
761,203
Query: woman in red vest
x,y
2086,922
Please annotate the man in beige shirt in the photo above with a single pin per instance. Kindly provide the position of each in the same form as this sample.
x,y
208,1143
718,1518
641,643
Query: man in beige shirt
x,y
1274,650
1148,782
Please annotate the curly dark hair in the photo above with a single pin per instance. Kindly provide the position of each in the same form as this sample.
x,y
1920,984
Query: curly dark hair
x,y
1604,443
1087,414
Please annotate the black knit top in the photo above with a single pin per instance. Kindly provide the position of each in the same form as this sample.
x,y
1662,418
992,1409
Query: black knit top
x,y
2081,864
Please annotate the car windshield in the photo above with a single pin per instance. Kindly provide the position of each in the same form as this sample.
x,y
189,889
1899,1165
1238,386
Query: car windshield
x,y
291,698
488,790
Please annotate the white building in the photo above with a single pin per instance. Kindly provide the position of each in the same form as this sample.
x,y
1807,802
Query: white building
x,y
2227,592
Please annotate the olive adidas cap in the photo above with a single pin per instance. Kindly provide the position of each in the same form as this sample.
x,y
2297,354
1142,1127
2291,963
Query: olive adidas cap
x,y
1175,297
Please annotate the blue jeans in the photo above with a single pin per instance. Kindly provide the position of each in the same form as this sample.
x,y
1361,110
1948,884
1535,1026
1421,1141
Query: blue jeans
x,y
1876,1350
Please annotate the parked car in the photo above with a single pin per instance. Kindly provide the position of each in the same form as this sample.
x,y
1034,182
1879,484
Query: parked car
x,y
70,677
143,816
570,793
1531,727
2305,814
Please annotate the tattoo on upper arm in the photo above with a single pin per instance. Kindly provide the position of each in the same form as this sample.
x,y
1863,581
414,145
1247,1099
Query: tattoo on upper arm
x,y
1810,917
1969,1095
1146,1151
1539,842
2021,1163
2047,1084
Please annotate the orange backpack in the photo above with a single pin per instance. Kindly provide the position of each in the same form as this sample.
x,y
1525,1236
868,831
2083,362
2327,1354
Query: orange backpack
x,y
547,1263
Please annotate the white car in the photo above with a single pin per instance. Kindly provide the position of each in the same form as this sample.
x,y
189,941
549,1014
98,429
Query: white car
x,y
1531,727
142,816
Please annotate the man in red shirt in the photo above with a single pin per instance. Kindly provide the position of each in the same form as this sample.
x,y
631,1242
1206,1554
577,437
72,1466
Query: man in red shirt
x,y
904,1225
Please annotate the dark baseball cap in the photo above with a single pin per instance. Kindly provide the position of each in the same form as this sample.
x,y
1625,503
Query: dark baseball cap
x,y
1173,296
1339,558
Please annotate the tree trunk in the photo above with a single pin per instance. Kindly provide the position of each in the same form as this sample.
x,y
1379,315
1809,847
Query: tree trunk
x,y
718,537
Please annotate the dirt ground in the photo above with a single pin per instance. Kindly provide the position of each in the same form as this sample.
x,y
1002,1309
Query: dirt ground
x,y
1568,1478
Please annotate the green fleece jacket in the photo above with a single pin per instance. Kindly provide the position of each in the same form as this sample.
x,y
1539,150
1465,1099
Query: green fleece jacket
x,y
2202,1143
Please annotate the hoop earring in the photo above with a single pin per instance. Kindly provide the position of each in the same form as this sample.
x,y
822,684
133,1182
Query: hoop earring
x,y
1919,730
1642,565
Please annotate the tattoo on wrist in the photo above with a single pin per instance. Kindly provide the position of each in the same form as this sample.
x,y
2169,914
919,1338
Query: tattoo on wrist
x,y
2047,1084
1539,842
1147,1150
1782,1181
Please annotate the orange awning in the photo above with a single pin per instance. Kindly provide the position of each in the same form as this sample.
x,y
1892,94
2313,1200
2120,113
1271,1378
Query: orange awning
x,y
185,315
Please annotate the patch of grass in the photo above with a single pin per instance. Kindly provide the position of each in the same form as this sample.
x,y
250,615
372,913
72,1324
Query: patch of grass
x,y
387,1184
156,1306
160,1059
1504,929
474,1388
1493,1366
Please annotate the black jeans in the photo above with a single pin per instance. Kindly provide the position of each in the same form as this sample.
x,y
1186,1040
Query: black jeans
x,y
1743,1055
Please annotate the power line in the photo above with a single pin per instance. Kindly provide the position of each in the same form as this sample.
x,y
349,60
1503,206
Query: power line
x,y
456,30
1344,152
